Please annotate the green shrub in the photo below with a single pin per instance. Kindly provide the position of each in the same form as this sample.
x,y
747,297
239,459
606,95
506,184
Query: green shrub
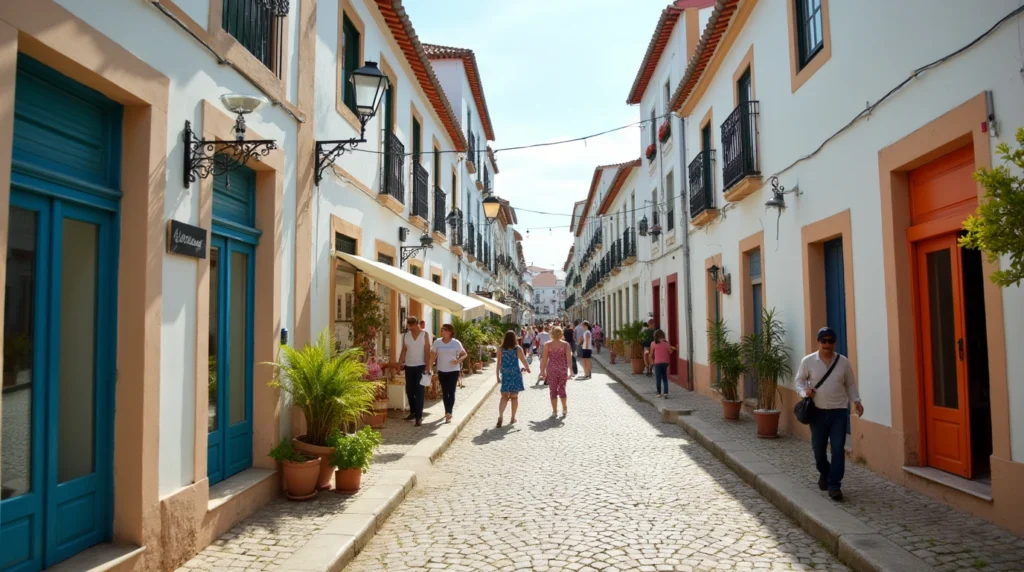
x,y
355,451
727,356
284,451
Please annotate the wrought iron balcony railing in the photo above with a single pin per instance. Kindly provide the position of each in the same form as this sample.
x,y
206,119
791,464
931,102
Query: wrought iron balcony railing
x,y
439,206
487,181
702,192
420,194
393,166
259,26
471,152
479,244
471,246
739,144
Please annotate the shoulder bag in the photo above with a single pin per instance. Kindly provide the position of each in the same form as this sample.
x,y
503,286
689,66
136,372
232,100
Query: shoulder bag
x,y
805,409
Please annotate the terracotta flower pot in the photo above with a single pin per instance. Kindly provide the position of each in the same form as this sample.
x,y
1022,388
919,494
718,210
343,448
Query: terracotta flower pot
x,y
300,478
731,409
324,481
638,365
611,356
767,424
478,367
346,481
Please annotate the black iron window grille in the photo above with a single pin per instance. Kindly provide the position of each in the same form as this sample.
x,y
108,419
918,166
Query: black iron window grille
x,y
439,204
420,196
479,244
702,196
471,152
739,144
471,247
394,166
259,26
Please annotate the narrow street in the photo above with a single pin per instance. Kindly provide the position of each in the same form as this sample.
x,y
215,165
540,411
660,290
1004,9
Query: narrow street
x,y
608,488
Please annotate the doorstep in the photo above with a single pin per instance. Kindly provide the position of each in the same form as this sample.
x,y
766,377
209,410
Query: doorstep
x,y
101,558
237,485
979,489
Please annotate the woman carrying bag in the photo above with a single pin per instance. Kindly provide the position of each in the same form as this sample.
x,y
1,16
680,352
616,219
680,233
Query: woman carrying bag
x,y
448,354
415,351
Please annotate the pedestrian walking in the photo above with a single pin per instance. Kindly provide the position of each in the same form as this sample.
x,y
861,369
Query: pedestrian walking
x,y
646,339
586,349
447,355
543,338
598,337
827,378
528,339
662,352
570,338
554,363
415,351
509,375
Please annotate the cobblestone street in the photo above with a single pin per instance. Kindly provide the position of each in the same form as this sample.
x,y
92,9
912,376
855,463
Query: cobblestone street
x,y
608,488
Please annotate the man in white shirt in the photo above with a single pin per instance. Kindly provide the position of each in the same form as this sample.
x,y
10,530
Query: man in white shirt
x,y
832,403
415,351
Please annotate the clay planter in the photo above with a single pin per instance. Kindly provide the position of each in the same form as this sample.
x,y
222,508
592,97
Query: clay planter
x,y
346,481
731,409
478,367
377,419
767,424
300,478
638,365
324,481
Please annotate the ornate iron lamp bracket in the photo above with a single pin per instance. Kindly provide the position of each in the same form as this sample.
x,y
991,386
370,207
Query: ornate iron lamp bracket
x,y
204,158
328,151
410,251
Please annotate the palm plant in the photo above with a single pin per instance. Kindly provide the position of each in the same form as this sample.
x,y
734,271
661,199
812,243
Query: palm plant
x,y
727,356
630,334
766,356
326,384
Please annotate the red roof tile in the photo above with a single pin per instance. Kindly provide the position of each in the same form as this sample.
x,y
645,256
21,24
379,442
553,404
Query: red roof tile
x,y
436,52
662,32
401,28
494,162
617,182
721,16
593,189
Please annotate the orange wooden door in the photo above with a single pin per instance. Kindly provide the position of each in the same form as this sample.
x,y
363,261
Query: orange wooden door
x,y
943,355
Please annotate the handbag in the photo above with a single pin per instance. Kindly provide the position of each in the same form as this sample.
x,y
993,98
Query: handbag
x,y
425,379
805,409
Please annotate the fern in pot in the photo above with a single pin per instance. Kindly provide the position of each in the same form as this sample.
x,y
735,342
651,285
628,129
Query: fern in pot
x,y
726,355
327,385
353,455
766,356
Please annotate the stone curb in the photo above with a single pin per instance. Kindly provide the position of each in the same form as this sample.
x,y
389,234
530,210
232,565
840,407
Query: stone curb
x,y
856,544
345,536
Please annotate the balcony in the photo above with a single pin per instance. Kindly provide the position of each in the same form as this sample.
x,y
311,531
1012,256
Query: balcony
x,y
702,188
471,245
629,247
487,181
392,194
439,214
420,197
259,26
741,173
480,161
471,154
479,248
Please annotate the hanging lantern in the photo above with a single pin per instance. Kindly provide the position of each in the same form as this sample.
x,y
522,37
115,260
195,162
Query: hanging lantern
x,y
643,226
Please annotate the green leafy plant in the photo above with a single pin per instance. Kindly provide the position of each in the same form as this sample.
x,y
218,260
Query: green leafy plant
x,y
996,226
326,384
631,336
472,338
355,451
728,357
766,356
368,318
285,451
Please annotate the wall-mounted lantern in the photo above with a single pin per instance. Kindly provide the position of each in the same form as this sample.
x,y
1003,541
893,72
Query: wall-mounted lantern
x,y
426,241
370,85
723,281
215,157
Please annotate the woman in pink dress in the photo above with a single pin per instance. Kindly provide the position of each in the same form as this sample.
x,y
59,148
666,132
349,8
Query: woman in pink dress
x,y
556,365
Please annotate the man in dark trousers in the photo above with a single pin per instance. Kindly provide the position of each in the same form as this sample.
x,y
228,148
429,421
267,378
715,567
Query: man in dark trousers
x,y
570,337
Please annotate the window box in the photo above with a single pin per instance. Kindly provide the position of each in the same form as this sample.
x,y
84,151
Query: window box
x,y
664,132
652,151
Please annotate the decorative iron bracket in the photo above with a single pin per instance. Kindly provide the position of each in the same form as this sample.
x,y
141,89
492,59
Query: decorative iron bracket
x,y
410,251
328,151
204,158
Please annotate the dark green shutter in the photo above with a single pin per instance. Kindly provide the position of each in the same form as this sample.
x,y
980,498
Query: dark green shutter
x,y
351,62
416,144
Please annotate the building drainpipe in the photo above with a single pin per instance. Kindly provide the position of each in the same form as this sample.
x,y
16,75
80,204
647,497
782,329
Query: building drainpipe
x,y
685,224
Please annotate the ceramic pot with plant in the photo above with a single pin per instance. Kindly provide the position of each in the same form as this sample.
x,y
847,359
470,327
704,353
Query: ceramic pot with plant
x,y
727,357
300,471
766,356
353,455
327,385
632,337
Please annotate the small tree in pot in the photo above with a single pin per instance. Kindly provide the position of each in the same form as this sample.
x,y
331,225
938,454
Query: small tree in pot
x,y
300,471
328,386
766,356
353,455
725,354
630,334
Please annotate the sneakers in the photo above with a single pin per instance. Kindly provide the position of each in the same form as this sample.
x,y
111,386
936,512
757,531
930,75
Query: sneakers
x,y
823,483
835,494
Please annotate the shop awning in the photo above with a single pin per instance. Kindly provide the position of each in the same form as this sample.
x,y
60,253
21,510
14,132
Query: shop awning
x,y
494,306
423,291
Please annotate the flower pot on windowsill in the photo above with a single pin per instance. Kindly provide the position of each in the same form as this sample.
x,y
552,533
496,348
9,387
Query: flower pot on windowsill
x,y
731,409
664,132
767,423
652,151
346,481
300,478
324,453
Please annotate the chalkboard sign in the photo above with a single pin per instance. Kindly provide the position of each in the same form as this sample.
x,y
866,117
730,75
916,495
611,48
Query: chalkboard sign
x,y
186,239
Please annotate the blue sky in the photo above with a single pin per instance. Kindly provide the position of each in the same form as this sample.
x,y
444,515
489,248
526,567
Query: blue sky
x,y
551,70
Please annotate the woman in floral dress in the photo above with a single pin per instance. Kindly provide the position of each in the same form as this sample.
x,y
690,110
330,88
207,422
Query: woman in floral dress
x,y
509,374
556,364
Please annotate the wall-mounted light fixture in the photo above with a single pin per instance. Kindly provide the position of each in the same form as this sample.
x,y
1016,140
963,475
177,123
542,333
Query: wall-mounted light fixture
x,y
369,84
409,251
723,281
643,226
215,157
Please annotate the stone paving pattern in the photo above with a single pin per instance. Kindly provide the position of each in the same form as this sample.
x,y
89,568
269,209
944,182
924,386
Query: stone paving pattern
x,y
942,536
609,488
270,536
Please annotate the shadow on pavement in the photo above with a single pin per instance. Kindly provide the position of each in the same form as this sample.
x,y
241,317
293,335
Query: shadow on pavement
x,y
549,423
493,434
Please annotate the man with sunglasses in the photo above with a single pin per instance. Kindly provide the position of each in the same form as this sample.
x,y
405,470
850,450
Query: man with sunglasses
x,y
832,402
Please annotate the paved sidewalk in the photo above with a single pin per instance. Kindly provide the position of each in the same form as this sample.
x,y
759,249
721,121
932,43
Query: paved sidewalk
x,y
935,533
268,538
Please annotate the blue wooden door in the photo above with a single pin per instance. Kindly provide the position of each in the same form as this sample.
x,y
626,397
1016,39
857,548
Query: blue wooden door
x,y
835,297
232,292
59,321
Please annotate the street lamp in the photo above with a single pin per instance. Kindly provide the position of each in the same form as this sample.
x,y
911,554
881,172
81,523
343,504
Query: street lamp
x,y
205,157
369,85
492,205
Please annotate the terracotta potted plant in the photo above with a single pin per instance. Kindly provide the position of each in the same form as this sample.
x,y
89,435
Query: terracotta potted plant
x,y
726,356
353,455
766,356
327,385
632,338
611,351
300,472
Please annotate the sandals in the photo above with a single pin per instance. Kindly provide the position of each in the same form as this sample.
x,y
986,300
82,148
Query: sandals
x,y
499,423
448,418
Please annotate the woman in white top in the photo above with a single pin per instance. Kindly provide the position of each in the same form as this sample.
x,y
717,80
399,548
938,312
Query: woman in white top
x,y
448,353
415,351
586,348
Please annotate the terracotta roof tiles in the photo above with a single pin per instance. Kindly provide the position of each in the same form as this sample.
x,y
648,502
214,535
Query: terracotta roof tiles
x,y
662,33
717,25
437,52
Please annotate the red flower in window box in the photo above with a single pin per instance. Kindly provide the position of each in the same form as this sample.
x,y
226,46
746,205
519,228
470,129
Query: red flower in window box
x,y
664,132
652,150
